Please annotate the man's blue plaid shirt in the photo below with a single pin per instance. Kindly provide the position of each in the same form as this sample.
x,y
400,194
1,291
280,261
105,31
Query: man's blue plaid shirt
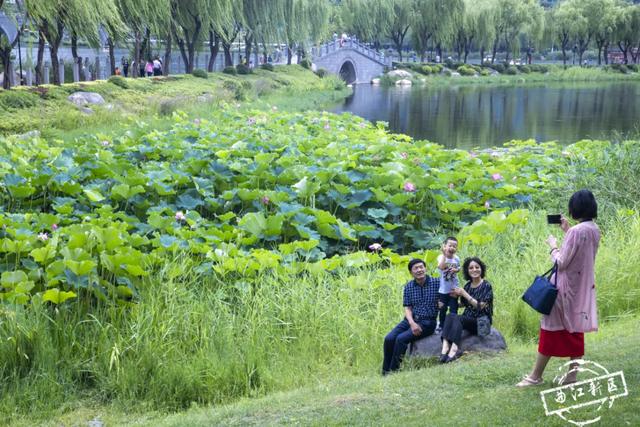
x,y
423,300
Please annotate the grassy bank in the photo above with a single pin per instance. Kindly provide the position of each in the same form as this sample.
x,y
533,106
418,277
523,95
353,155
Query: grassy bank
x,y
477,390
152,100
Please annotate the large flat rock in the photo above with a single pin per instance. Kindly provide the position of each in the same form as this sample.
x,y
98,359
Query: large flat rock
x,y
432,345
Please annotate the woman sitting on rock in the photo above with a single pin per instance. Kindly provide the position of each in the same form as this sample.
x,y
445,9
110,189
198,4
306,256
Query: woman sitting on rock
x,y
477,298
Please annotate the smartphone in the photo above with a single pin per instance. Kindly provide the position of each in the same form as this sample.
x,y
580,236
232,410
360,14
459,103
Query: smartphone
x,y
553,218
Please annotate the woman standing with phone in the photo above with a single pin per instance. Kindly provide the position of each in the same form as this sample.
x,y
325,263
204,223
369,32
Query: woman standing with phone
x,y
574,312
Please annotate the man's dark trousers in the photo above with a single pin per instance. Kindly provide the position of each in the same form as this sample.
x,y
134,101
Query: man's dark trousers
x,y
397,341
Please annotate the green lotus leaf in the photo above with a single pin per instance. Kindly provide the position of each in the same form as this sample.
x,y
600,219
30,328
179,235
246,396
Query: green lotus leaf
x,y
253,222
80,268
377,213
93,195
10,279
57,296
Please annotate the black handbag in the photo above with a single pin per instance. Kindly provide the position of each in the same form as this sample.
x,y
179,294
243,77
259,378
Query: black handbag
x,y
484,326
542,294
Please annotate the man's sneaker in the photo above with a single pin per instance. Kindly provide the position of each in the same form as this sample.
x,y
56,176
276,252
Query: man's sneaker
x,y
438,330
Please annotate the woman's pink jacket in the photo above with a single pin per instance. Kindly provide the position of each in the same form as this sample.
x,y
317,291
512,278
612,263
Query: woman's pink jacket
x,y
575,308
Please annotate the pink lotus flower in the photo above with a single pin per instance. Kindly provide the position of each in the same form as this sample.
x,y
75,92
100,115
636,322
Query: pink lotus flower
x,y
409,187
487,205
251,121
54,227
180,216
274,108
362,125
496,176
473,154
105,143
375,247
327,126
404,155
451,186
265,200
196,122
43,237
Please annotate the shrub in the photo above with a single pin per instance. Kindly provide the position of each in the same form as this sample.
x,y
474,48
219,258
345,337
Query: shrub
x,y
524,69
621,68
485,72
321,72
17,99
306,63
230,70
426,69
436,68
118,81
466,70
498,67
633,67
200,73
267,66
446,72
538,68
511,70
243,69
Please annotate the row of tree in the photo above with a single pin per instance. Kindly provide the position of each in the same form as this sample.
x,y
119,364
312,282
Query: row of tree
x,y
461,26
489,25
182,23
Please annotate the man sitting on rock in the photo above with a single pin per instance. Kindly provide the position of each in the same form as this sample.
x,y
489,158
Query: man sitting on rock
x,y
420,301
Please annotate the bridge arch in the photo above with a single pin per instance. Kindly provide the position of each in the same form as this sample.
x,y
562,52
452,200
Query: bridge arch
x,y
351,60
347,71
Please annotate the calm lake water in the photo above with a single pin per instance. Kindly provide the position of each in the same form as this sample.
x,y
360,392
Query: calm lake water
x,y
469,116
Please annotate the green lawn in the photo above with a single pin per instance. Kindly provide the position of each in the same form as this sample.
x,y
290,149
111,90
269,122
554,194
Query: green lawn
x,y
476,390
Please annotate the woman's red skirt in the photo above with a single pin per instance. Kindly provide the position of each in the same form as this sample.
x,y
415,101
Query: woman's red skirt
x,y
561,343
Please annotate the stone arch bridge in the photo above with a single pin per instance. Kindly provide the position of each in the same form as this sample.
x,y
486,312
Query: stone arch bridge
x,y
353,61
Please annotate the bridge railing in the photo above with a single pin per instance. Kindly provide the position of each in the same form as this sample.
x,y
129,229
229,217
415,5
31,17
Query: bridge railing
x,y
336,45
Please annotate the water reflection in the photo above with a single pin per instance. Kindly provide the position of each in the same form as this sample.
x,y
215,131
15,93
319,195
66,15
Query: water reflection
x,y
470,116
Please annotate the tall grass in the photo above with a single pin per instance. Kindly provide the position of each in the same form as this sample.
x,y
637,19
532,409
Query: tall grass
x,y
210,339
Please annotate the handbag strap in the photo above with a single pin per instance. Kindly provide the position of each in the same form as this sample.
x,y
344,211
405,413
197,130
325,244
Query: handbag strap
x,y
549,273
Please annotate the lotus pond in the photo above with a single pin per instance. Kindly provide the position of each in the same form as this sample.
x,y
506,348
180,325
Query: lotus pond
x,y
243,192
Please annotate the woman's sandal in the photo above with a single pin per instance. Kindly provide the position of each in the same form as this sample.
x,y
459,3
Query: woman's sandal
x,y
527,381
454,357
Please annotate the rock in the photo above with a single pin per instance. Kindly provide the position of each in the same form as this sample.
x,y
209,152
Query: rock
x,y
455,74
29,135
404,82
403,74
84,98
86,110
375,82
432,345
205,98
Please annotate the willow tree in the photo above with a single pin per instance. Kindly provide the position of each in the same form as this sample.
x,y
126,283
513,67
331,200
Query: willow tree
x,y
141,17
400,22
560,21
227,30
627,31
191,19
437,20
51,17
513,18
6,47
485,28
607,11
368,20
